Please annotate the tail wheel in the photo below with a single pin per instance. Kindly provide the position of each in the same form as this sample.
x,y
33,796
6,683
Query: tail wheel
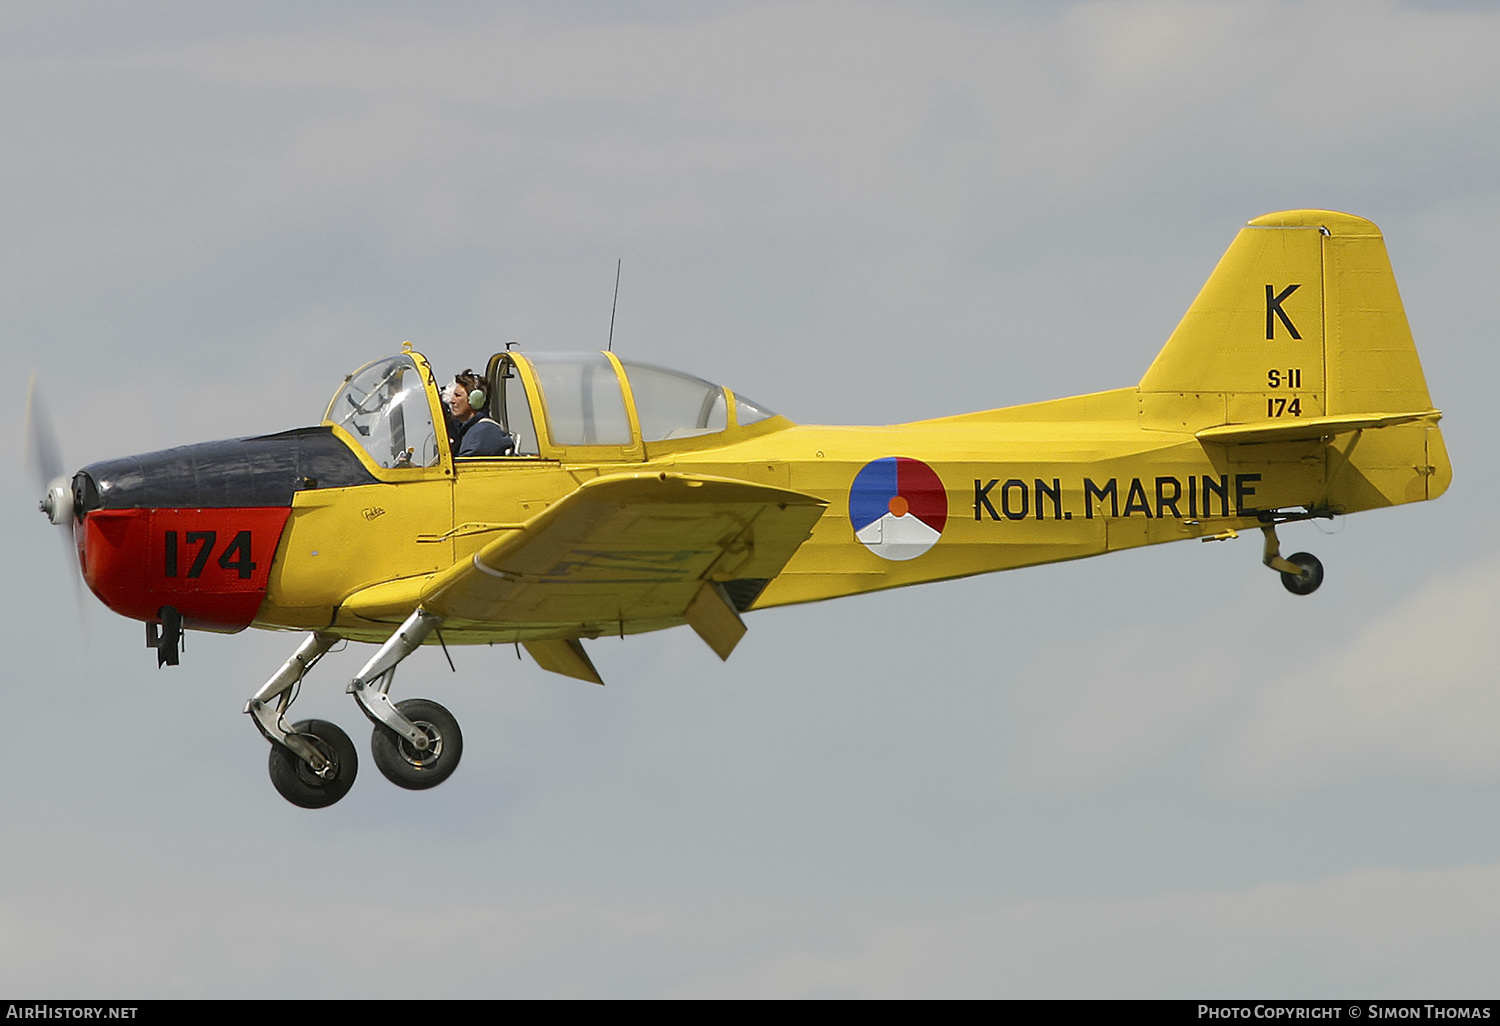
x,y
295,779
1306,582
406,765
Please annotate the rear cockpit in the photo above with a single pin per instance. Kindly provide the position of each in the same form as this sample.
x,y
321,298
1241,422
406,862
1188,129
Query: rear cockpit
x,y
596,399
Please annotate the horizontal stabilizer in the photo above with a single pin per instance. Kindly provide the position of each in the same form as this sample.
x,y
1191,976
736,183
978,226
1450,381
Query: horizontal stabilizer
x,y
1307,429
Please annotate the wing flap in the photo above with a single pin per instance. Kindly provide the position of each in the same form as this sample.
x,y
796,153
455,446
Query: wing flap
x,y
713,616
565,656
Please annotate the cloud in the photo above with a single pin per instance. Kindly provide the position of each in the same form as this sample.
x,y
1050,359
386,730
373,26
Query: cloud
x,y
1122,704
156,926
1257,698
1414,692
1380,933
854,104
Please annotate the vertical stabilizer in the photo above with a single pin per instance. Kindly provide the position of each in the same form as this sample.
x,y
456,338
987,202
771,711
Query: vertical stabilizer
x,y
1301,318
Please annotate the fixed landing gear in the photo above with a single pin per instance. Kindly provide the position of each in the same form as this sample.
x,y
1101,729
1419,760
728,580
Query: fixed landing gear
x,y
298,782
406,765
1301,574
1309,575
416,745
313,763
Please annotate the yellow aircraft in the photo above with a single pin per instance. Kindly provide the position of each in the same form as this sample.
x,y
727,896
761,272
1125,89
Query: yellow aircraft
x,y
630,498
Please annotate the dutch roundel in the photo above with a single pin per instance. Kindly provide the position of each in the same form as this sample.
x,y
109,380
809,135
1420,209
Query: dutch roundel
x,y
898,507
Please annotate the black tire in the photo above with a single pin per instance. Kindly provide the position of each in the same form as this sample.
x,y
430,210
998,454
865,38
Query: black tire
x,y
295,780
1308,580
405,765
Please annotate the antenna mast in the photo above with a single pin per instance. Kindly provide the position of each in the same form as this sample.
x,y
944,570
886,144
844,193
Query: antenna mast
x,y
611,346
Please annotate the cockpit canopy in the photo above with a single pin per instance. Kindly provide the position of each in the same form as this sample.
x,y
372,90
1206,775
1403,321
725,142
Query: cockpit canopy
x,y
554,405
386,406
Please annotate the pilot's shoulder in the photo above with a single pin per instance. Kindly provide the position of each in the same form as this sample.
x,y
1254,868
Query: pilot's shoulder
x,y
485,437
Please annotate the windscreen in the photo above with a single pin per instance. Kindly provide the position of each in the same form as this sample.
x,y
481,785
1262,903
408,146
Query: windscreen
x,y
384,406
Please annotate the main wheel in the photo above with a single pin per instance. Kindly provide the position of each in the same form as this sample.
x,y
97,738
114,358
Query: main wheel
x,y
413,768
295,779
1306,582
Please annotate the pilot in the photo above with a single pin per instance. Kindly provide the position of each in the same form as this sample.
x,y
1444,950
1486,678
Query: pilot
x,y
474,433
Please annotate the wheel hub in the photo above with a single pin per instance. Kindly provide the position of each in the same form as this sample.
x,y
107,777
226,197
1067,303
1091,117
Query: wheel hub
x,y
421,754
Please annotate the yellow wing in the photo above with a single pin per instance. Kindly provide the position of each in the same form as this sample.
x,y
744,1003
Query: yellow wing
x,y
627,552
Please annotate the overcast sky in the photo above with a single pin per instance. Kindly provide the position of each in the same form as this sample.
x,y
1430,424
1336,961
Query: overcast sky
x,y
1151,774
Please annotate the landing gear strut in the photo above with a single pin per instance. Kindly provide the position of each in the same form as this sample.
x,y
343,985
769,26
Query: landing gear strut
x,y
416,745
313,763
